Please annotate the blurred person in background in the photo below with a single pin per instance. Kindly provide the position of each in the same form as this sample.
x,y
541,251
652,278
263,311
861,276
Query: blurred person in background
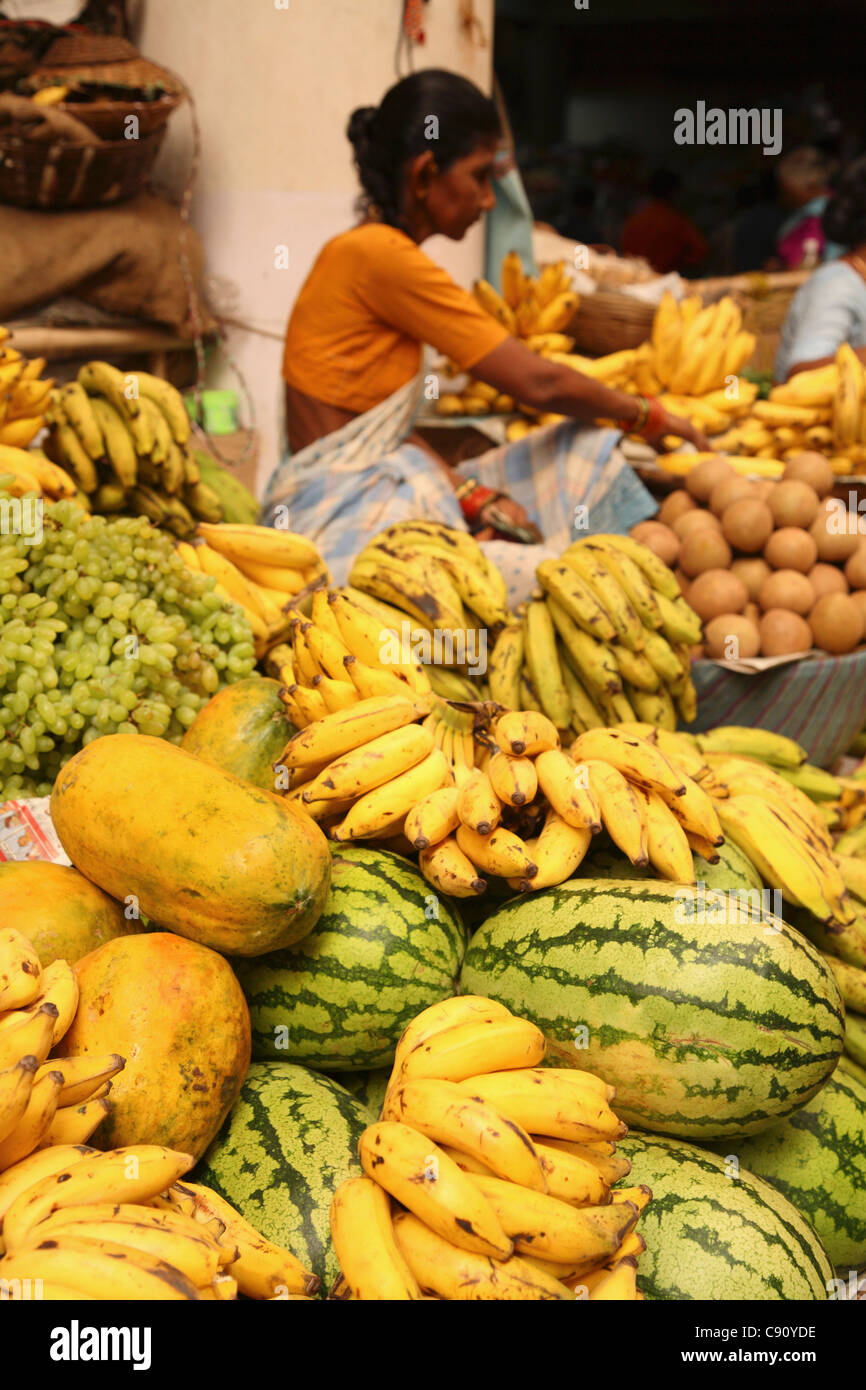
x,y
662,234
804,178
830,308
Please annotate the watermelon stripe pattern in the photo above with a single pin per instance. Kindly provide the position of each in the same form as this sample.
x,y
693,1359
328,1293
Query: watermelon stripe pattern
x,y
716,1233
385,948
705,1030
290,1140
817,1159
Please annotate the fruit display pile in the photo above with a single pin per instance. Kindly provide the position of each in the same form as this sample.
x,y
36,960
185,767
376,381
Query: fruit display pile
x,y
409,945
772,568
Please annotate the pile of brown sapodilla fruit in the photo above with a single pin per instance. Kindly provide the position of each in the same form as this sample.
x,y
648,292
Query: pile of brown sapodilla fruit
x,y
771,567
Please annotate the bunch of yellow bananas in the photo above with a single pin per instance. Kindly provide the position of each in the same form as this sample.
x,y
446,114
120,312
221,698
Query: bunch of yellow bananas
x,y
488,1176
822,410
535,310
28,470
124,437
344,652
772,804
43,1102
608,640
527,811
435,576
260,568
77,1224
694,349
24,395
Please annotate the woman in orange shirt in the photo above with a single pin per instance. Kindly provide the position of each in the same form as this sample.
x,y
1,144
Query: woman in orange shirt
x,y
425,159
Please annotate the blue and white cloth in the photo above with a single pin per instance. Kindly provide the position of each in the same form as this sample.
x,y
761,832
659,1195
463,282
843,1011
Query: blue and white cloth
x,y
828,310
351,484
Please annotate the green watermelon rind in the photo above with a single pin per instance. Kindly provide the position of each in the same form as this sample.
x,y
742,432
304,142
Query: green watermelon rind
x,y
706,1031
290,1140
714,1236
817,1160
339,1000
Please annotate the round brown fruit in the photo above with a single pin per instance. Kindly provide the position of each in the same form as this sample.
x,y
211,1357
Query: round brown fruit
x,y
660,539
836,530
827,579
704,549
715,592
730,636
793,503
855,568
783,633
791,548
704,476
747,525
787,589
810,468
698,520
837,623
674,505
730,490
753,572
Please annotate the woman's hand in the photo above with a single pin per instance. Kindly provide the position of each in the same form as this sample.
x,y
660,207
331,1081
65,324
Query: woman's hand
x,y
507,508
683,429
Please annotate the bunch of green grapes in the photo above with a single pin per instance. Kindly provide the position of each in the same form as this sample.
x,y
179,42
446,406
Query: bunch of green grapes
x,y
103,629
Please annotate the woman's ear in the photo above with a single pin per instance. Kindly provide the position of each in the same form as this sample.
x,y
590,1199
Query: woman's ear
x,y
421,172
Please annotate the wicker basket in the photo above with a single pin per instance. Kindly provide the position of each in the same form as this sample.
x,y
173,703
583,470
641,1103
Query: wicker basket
x,y
108,115
607,322
57,176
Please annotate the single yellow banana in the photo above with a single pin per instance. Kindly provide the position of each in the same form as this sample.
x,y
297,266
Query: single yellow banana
x,y
641,762
448,1013
695,812
20,970
385,806
622,812
478,806
611,1166
567,787
543,662
505,666
74,1124
443,1112
24,1033
16,1084
456,1053
58,986
667,845
444,1269
29,1171
545,1104
525,733
501,853
339,733
593,661
450,871
575,596
514,780
418,1174
102,1268
433,819
371,765
363,1237
261,545
544,1226
558,851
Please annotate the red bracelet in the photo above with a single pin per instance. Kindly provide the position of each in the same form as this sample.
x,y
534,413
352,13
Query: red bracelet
x,y
473,502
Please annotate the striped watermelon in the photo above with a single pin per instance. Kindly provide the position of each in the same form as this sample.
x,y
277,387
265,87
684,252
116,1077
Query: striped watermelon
x,y
817,1159
290,1140
384,948
714,1237
706,1030
368,1087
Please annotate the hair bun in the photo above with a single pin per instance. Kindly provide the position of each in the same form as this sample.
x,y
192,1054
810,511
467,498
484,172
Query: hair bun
x,y
360,127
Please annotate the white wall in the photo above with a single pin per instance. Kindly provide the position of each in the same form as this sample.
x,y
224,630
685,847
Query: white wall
x,y
273,89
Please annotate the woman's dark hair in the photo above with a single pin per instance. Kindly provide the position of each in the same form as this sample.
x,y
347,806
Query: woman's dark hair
x,y
433,109
844,218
